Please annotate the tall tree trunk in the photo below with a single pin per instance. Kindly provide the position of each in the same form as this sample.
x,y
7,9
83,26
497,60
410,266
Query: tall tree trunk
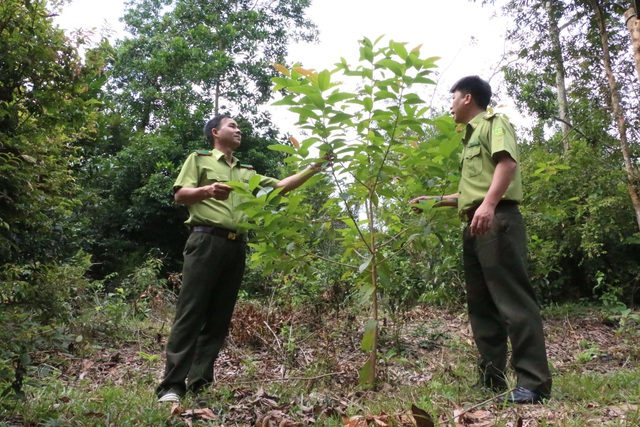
x,y
563,104
633,25
633,177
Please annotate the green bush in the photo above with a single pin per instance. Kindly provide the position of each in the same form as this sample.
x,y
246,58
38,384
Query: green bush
x,y
36,300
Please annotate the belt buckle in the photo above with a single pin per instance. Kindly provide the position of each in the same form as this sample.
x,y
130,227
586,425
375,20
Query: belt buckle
x,y
232,236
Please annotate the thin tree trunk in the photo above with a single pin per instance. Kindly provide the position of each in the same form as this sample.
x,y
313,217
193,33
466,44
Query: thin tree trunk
x,y
374,280
633,25
633,177
563,104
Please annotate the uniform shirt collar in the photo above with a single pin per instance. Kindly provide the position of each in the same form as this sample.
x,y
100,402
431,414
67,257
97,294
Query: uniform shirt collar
x,y
473,123
478,119
219,155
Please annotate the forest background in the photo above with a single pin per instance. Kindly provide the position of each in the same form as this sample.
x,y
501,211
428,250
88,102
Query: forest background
x,y
93,134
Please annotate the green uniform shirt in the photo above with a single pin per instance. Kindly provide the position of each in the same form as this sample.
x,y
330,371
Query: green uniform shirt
x,y
486,135
206,167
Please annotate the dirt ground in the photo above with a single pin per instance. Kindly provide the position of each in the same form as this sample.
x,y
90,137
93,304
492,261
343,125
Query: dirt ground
x,y
322,358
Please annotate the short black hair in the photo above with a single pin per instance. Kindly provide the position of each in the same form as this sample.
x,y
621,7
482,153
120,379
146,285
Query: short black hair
x,y
213,124
479,89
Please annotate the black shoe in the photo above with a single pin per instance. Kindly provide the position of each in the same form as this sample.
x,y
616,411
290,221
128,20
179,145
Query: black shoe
x,y
521,396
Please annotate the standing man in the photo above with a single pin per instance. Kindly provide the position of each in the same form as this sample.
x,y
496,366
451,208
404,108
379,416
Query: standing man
x,y
500,298
214,257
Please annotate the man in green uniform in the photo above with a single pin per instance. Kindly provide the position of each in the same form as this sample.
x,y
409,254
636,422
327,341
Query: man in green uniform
x,y
500,298
214,257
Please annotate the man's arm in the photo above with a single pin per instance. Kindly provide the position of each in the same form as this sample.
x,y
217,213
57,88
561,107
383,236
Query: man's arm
x,y
294,181
505,170
450,201
192,195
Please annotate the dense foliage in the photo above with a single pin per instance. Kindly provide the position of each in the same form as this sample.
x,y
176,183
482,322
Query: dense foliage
x,y
47,103
581,152
184,61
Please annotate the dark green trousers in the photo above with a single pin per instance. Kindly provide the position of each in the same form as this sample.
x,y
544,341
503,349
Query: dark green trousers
x,y
502,303
212,274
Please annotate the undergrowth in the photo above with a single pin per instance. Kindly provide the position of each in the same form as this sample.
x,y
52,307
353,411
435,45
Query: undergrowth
x,y
301,369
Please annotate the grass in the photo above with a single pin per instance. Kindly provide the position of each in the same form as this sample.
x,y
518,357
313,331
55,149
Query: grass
x,y
304,370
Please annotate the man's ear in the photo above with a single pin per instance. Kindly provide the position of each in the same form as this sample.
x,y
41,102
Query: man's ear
x,y
468,98
214,132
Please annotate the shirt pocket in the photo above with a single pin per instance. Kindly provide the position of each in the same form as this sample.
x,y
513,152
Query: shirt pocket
x,y
472,160
211,177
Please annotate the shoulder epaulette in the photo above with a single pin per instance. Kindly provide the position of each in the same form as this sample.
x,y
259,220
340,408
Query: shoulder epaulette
x,y
246,166
489,115
204,152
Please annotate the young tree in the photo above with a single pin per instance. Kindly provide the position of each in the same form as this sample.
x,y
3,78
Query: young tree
x,y
384,154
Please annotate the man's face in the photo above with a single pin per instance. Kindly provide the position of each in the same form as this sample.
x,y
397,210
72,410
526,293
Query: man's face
x,y
460,107
228,134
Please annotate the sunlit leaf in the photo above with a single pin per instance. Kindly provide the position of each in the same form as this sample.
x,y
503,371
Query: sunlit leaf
x,y
294,142
399,49
281,68
324,80
254,182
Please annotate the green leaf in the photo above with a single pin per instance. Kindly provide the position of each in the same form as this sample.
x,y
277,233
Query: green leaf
x,y
339,96
385,94
286,100
282,82
366,374
369,336
303,89
365,264
384,274
324,80
399,49
340,118
367,103
366,53
284,148
254,182
397,68
305,112
317,100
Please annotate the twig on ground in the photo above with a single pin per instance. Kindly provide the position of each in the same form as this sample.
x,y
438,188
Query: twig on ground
x,y
471,408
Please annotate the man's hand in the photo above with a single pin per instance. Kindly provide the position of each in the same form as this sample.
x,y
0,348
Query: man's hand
x,y
417,200
328,161
219,191
482,220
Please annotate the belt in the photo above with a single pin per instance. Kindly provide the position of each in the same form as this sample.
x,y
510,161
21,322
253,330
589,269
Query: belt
x,y
468,214
217,231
